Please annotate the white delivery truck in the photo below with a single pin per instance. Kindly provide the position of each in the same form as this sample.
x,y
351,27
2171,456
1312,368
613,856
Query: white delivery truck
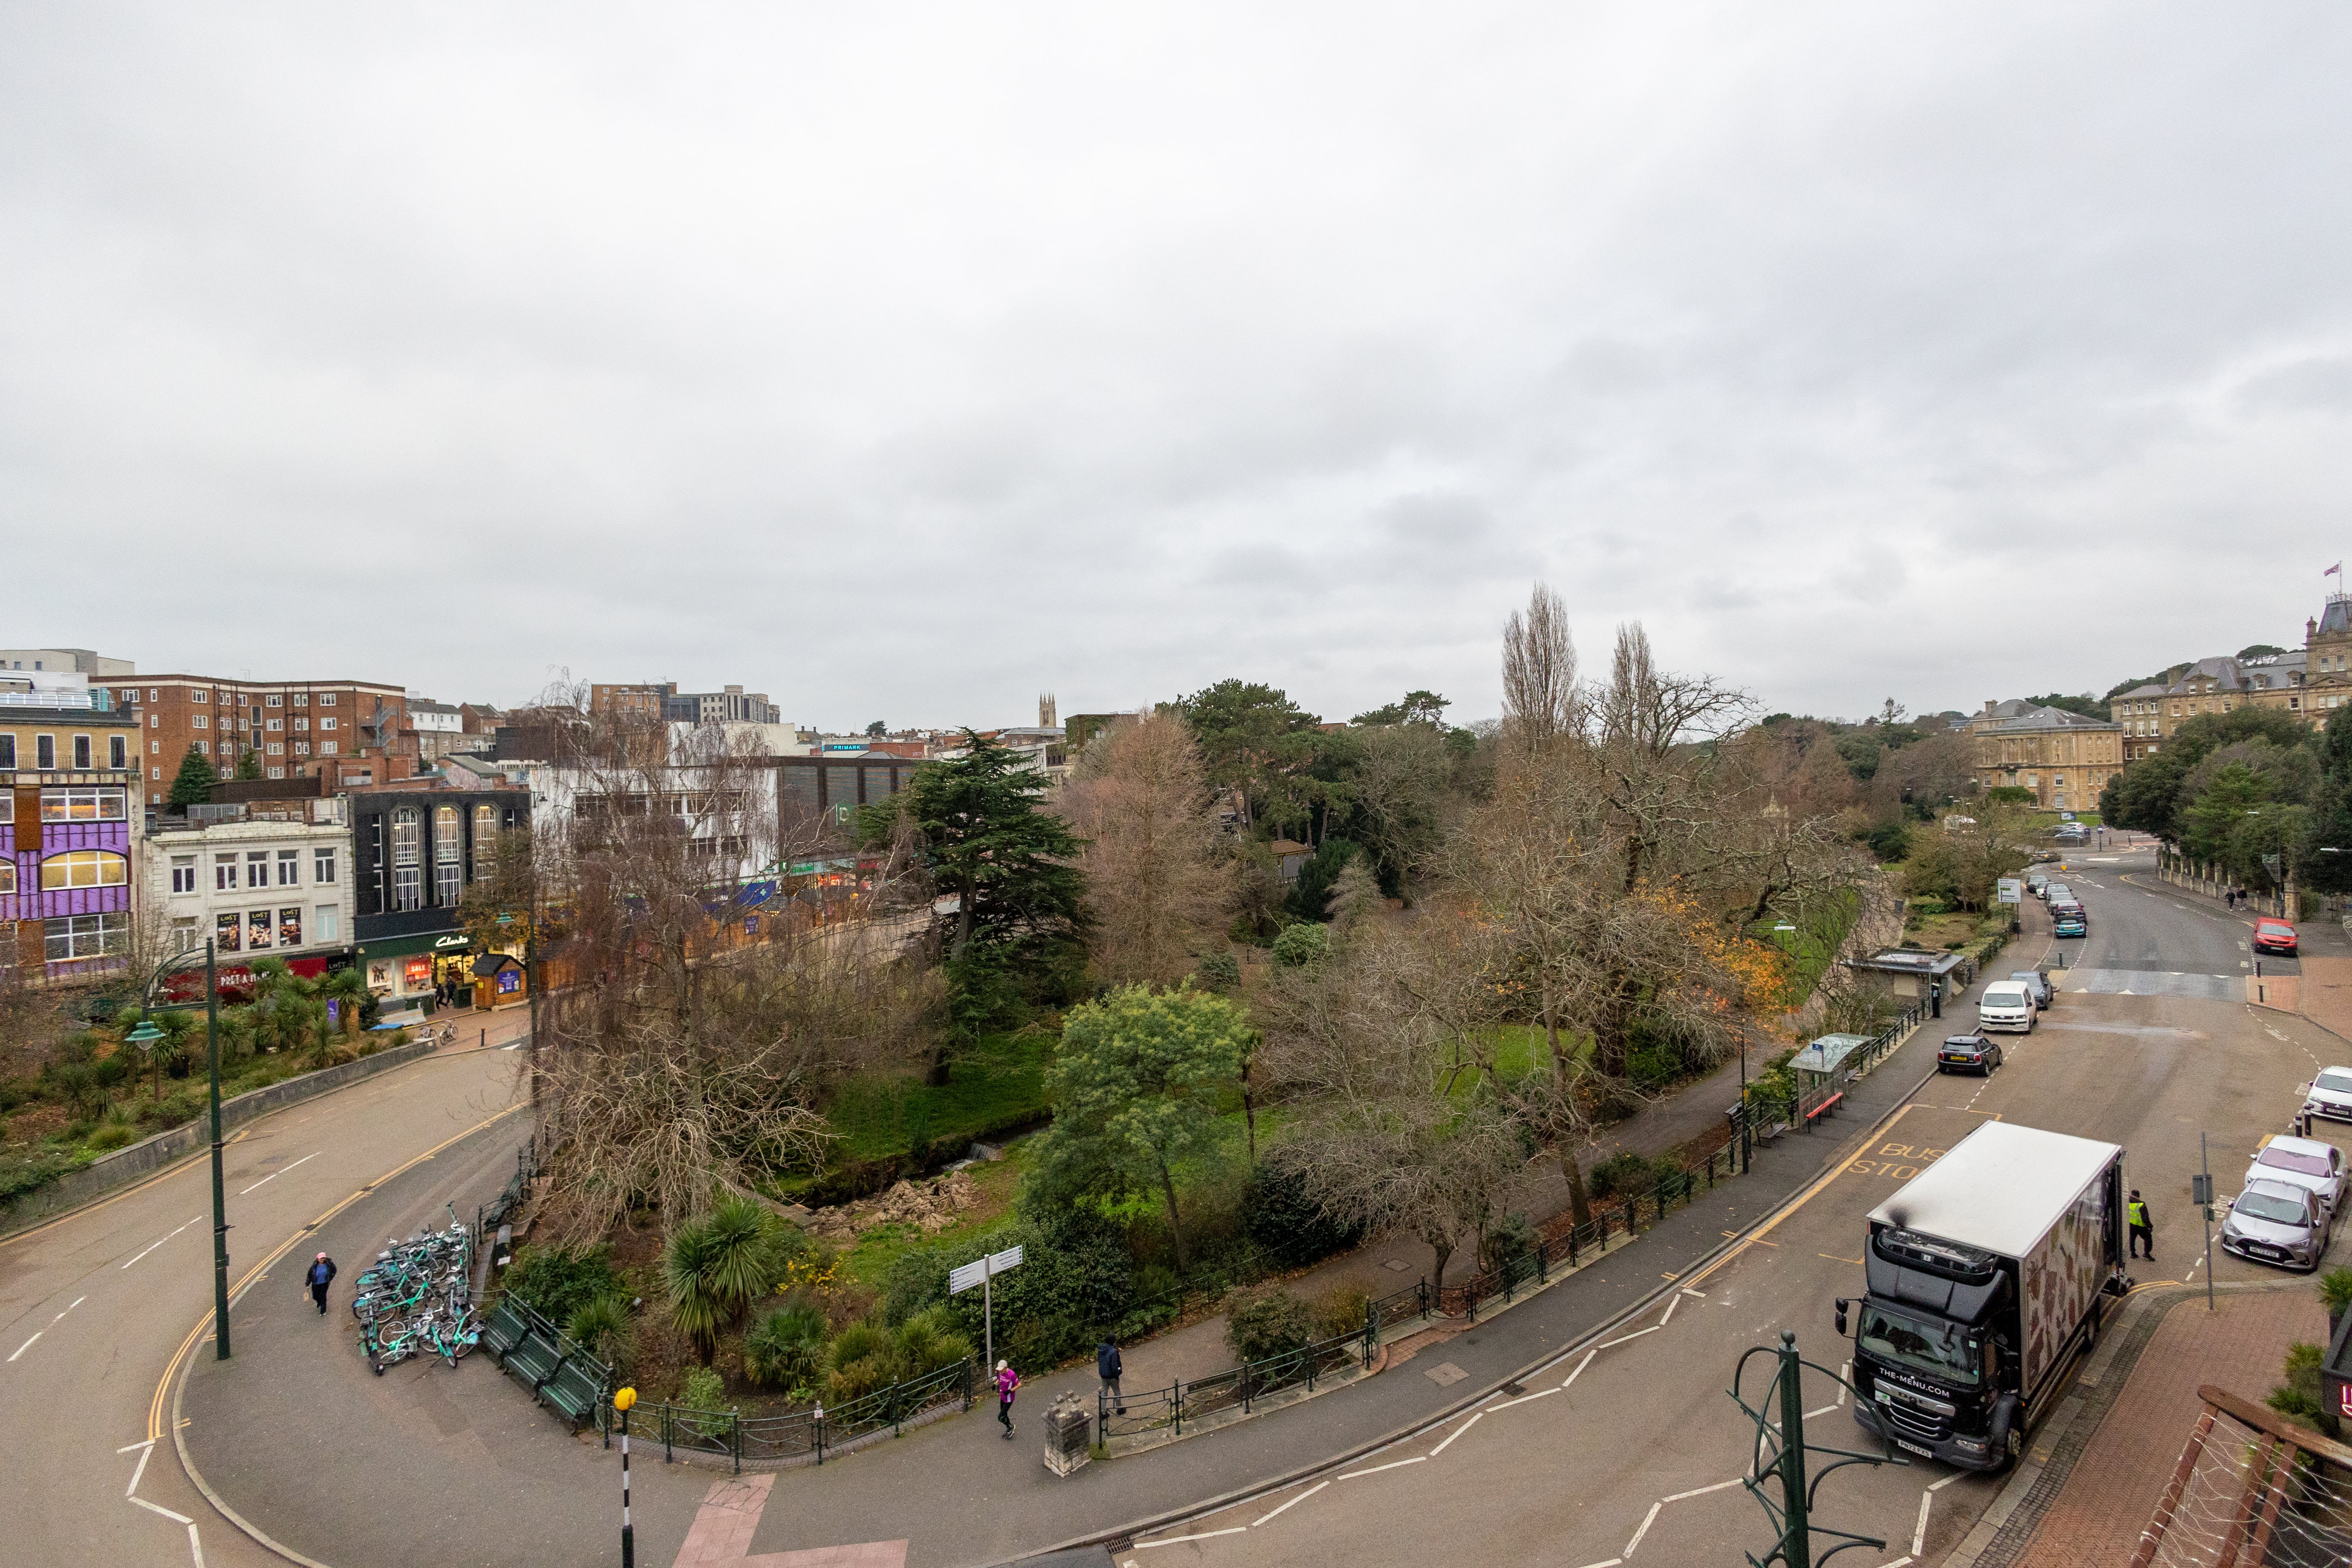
x,y
1985,1275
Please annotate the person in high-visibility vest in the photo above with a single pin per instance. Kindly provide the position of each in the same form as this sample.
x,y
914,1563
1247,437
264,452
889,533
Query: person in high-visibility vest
x,y
2143,1229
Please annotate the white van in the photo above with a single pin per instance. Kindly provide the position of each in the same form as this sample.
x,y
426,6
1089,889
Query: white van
x,y
2007,1004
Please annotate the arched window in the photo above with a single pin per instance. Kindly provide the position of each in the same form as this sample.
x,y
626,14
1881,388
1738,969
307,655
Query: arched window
x,y
84,868
407,876
485,833
449,870
405,824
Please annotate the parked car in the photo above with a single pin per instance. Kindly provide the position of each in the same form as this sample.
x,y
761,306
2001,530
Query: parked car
x,y
2071,833
2306,1162
1967,1053
2071,921
2330,1094
2037,985
2007,1004
2037,882
2273,1222
2273,936
2058,893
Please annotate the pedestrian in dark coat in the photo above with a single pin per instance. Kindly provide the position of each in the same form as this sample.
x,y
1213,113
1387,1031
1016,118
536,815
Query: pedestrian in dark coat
x,y
2143,1229
1107,1366
321,1275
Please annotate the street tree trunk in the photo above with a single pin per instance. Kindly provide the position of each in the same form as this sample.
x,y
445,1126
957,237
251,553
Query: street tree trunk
x,y
1175,1230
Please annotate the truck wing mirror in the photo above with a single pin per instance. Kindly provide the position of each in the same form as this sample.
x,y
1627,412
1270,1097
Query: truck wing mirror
x,y
1841,1315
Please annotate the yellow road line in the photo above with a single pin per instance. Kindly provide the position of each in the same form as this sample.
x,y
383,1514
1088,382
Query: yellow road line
x,y
171,1368
1804,1198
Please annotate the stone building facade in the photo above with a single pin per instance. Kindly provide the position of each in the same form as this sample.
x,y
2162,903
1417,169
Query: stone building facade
x,y
2065,759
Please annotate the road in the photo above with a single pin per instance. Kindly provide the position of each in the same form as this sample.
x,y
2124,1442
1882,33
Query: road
x,y
96,1306
1630,1452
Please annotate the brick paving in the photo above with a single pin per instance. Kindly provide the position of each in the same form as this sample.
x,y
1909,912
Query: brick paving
x,y
2111,1492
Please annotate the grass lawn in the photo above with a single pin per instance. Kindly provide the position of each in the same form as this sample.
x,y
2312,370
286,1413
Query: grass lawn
x,y
867,1258
1811,944
997,1088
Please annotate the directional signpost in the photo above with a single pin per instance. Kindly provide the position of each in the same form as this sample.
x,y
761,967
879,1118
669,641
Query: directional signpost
x,y
982,1271
2009,891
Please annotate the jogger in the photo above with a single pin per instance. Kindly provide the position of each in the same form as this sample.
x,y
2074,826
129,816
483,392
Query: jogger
x,y
1007,1381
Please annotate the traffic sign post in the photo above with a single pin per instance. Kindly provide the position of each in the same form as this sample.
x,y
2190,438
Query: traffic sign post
x,y
982,1272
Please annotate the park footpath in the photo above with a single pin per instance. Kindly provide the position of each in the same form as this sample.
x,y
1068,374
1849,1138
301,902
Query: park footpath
x,y
298,1442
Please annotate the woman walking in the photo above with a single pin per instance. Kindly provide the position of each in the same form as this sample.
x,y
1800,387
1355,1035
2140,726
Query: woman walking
x,y
1007,1381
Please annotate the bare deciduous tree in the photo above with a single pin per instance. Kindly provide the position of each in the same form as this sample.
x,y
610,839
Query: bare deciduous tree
x,y
1541,700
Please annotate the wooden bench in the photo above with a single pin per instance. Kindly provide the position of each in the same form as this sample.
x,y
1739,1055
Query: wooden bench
x,y
574,1390
1823,1108
507,1328
535,1360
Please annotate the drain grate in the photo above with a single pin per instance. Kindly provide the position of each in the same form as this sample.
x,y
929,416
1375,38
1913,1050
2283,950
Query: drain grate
x,y
1515,1389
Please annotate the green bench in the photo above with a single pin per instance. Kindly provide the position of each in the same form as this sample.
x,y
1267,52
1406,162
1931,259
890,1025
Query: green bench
x,y
576,1390
535,1360
507,1328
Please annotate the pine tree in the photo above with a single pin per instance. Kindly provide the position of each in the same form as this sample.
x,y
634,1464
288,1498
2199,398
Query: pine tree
x,y
249,763
194,784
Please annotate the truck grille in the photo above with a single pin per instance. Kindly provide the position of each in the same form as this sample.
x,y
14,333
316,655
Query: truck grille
x,y
1919,1426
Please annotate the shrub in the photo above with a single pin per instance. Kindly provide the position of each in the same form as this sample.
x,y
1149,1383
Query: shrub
x,y
602,1328
1628,1174
117,1132
786,1349
1889,841
1220,971
929,1341
2300,1394
1279,1215
864,1358
703,1390
1301,945
2335,1291
1506,1238
1340,1311
1266,1321
559,1280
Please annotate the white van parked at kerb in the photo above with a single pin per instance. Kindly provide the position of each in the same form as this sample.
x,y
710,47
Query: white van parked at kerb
x,y
2007,1004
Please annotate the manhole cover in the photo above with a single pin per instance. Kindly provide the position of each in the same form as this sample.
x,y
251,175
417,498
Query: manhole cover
x,y
1514,1389
1445,1374
1396,1265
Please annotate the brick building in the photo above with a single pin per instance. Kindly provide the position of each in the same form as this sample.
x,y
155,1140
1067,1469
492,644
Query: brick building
x,y
69,791
348,732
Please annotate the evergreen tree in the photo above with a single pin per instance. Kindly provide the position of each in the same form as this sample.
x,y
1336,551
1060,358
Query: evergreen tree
x,y
2326,864
249,763
194,784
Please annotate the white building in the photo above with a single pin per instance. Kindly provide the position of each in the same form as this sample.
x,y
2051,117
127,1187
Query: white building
x,y
264,880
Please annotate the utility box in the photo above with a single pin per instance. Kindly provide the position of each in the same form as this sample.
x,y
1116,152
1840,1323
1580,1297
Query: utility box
x,y
1069,1434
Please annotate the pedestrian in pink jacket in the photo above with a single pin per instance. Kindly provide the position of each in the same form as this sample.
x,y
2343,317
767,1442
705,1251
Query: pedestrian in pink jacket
x,y
1007,1380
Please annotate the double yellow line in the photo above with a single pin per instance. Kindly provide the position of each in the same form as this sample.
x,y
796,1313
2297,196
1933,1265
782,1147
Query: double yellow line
x,y
172,1368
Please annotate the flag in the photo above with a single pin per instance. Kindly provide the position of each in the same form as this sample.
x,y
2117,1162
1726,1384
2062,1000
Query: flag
x,y
2335,570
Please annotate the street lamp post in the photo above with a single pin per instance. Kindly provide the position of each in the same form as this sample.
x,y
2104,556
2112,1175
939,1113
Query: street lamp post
x,y
146,1033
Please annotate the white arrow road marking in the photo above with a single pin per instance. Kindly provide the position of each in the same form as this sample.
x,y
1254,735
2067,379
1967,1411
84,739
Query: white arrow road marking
x,y
1310,1492
274,1175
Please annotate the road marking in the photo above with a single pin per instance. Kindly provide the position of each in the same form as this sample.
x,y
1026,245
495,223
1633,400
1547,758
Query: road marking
x,y
1204,1535
1824,1410
128,1447
1947,1480
1526,1398
1636,1335
1671,1305
274,1175
195,1546
159,1508
1647,1520
1375,1470
1688,1291
145,1454
1920,1536
1834,1258
1318,1487
28,1344
153,1244
1434,1452
1702,1491
1610,1562
1582,1365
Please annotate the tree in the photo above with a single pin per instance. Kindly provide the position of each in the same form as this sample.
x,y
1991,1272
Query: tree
x,y
877,728
981,832
1542,702
2326,855
1137,1088
1405,782
1158,881
249,763
1426,709
192,785
1310,895
2147,796
1253,737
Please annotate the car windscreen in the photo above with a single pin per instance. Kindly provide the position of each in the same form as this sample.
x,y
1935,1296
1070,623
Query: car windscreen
x,y
2006,995
2339,1082
2275,1208
1945,1350
2288,1160
2274,933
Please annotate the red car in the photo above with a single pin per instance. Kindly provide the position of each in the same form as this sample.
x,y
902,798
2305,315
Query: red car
x,y
2275,936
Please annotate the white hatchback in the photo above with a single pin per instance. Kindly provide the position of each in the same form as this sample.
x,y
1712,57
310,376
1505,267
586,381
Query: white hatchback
x,y
2007,1004
2330,1094
2307,1162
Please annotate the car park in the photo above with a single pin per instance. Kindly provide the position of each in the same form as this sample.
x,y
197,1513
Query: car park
x,y
2275,936
1967,1053
2330,1095
2037,985
2274,1222
2306,1162
2007,1004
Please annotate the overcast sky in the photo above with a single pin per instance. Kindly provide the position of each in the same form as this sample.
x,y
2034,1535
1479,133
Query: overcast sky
x,y
905,362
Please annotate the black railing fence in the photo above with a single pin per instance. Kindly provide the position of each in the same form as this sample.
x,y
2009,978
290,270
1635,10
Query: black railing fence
x,y
1235,1388
806,1436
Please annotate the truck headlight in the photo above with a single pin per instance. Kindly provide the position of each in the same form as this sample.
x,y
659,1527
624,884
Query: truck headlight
x,y
1970,1444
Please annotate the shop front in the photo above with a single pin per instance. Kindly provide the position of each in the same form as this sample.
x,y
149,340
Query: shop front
x,y
413,970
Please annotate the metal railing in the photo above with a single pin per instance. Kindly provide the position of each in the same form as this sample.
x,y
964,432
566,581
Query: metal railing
x,y
802,1435
1235,1388
1199,1296
489,1216
1765,1113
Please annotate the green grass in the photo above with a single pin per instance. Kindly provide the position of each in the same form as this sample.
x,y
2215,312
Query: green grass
x,y
999,1086
1811,945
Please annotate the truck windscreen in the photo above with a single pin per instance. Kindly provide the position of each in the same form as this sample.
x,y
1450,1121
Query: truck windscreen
x,y
1945,1351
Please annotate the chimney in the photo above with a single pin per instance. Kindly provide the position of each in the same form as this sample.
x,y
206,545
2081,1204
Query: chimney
x,y
1989,706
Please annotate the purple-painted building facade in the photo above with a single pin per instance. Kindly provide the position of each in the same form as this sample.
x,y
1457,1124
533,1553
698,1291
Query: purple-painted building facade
x,y
70,786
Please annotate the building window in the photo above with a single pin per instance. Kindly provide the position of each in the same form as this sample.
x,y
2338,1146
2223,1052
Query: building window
x,y
227,934
323,867
276,702
118,751
187,932
81,752
277,723
327,748
200,720
154,748
85,805
7,876
223,873
448,884
289,868
8,753
406,889
183,873
300,724
199,696
325,699
44,752
301,748
78,937
257,867
301,699
328,925
486,832
407,853
257,931
290,928
84,868
276,748
326,723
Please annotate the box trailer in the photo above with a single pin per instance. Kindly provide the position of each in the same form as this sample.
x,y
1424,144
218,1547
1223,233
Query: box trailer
x,y
1985,1274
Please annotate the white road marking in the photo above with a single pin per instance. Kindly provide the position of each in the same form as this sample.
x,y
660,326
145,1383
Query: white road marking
x,y
1178,1540
128,1447
152,1246
1309,1492
195,1546
1636,1335
159,1508
1671,1305
1456,1433
1611,1563
1688,1291
1528,1398
1824,1410
1845,1376
1701,1491
1947,1480
28,1344
274,1175
1582,1365
510,1048
1920,1536
1647,1520
144,1454
1375,1470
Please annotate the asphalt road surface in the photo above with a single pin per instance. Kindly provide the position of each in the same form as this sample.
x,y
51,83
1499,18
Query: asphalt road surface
x,y
97,1306
1631,1452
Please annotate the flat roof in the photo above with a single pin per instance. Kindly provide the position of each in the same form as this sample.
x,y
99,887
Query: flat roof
x,y
2002,1187
1908,960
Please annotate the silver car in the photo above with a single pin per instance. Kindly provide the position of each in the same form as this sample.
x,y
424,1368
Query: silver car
x,y
2273,1221
2037,985
2306,1162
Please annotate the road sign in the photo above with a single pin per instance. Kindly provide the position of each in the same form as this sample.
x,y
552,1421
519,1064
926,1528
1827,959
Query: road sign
x,y
2009,891
981,1271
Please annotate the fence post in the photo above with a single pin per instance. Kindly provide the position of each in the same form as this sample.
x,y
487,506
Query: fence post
x,y
1371,1333
735,1436
819,1435
1571,1244
666,1453
1176,1400
1102,1417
